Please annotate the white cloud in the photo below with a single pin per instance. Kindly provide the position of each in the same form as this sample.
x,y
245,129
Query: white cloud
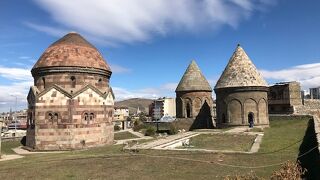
x,y
165,90
119,69
127,21
8,94
18,86
122,93
47,29
15,73
169,86
24,57
308,75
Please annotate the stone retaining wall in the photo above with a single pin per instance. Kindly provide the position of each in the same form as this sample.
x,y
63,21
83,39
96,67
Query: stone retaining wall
x,y
310,106
316,121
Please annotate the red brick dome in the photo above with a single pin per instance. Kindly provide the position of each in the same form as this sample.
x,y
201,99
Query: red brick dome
x,y
72,50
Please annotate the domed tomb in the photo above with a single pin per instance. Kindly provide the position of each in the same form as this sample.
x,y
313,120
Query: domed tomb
x,y
71,102
241,93
194,103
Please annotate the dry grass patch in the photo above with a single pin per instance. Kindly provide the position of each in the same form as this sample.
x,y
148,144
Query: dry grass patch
x,y
124,135
232,142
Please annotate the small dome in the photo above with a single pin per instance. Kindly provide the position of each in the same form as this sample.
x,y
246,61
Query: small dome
x,y
72,50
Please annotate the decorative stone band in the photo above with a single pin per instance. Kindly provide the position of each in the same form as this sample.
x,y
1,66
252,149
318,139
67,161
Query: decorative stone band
x,y
69,69
186,91
74,94
242,89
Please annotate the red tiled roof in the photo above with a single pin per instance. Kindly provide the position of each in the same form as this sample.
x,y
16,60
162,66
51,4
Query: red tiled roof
x,y
72,50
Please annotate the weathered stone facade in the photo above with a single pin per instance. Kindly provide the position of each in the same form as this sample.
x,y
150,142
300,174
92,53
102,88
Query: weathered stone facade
x,y
194,99
241,93
284,97
71,104
311,106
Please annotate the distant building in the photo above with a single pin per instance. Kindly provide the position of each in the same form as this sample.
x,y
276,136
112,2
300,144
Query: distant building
x,y
315,93
16,119
163,107
284,97
121,115
19,120
7,117
138,111
241,93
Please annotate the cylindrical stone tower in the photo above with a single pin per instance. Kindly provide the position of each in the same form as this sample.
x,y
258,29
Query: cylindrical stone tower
x,y
241,93
194,101
71,102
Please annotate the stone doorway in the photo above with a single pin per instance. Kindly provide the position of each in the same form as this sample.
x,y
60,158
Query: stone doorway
x,y
188,109
251,119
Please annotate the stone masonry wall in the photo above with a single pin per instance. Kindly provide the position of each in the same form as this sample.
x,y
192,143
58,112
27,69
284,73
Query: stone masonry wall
x,y
64,80
310,106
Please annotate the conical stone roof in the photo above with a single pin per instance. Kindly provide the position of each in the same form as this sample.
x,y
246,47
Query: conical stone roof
x,y
72,50
240,72
193,80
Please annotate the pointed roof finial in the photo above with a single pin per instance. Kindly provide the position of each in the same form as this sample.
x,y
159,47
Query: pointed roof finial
x,y
240,72
238,45
193,79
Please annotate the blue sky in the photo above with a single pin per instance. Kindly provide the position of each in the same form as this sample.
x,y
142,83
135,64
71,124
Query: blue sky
x,y
149,43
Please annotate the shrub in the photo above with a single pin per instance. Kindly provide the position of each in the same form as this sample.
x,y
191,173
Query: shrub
x,y
138,125
150,131
289,170
116,128
172,129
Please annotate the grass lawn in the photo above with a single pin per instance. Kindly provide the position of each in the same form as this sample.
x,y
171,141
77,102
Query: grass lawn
x,y
8,145
124,135
223,142
110,162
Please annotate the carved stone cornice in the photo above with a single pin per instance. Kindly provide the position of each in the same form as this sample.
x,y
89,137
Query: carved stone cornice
x,y
36,72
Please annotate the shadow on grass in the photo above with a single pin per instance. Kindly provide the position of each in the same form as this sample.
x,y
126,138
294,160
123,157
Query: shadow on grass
x,y
310,160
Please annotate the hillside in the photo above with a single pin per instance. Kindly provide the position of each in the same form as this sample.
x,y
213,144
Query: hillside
x,y
134,103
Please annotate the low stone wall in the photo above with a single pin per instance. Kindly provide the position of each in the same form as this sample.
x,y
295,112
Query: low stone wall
x,y
316,121
310,106
183,123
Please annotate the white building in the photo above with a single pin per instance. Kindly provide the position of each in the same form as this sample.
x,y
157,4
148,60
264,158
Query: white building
x,y
163,107
121,115
315,93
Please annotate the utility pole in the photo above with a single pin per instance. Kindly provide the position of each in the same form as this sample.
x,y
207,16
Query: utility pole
x,y
1,121
15,115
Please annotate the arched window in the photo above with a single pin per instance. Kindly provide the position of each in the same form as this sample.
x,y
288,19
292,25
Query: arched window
x,y
29,120
251,119
110,113
91,116
188,109
55,117
73,81
50,117
44,82
86,116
